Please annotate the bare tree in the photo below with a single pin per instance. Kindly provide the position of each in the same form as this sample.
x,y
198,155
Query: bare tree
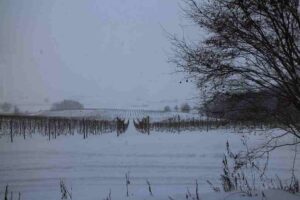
x,y
6,107
16,110
185,108
176,108
251,45
167,109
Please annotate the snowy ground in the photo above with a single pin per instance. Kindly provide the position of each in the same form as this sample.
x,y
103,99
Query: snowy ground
x,y
91,167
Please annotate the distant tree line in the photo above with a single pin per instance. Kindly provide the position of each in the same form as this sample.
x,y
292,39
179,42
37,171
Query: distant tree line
x,y
67,105
185,107
249,106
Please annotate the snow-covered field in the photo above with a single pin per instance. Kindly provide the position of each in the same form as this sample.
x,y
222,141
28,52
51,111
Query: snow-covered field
x,y
91,167
121,113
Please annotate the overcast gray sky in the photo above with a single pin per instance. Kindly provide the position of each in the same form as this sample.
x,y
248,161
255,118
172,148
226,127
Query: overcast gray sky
x,y
104,53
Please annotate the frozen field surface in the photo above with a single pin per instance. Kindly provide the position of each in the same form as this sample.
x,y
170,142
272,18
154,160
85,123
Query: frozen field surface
x,y
91,167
